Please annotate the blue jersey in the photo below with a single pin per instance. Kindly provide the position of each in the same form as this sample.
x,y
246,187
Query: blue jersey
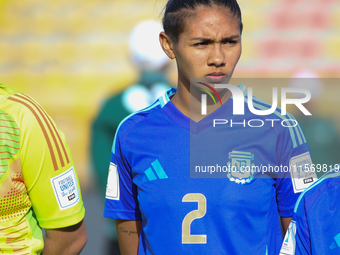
x,y
155,156
315,227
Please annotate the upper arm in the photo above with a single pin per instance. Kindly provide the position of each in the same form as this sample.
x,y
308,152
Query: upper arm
x,y
121,192
121,198
128,236
48,169
285,223
291,179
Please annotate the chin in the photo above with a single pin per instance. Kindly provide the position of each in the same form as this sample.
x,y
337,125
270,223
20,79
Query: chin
x,y
216,81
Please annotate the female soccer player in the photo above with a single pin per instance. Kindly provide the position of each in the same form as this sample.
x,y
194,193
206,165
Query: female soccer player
x,y
159,208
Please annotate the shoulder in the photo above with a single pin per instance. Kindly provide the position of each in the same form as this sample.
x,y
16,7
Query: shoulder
x,y
22,108
6,92
30,119
17,105
152,112
285,126
322,190
261,109
137,118
137,126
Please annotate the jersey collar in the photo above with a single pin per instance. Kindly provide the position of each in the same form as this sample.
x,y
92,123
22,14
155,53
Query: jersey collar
x,y
163,100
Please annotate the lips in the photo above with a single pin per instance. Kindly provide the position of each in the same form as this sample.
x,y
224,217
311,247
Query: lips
x,y
215,77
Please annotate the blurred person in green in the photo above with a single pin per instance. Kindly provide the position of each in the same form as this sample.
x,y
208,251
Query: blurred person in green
x,y
152,64
321,132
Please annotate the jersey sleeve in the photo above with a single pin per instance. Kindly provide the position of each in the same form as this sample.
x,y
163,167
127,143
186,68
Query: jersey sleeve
x,y
48,169
294,159
121,193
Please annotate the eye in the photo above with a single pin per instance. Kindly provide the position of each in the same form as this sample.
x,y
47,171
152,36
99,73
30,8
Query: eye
x,y
201,44
231,42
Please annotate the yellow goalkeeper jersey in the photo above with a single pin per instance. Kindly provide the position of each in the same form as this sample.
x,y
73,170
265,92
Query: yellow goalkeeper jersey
x,y
38,183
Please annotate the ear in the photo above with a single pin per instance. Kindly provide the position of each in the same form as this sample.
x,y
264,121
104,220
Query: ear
x,y
167,45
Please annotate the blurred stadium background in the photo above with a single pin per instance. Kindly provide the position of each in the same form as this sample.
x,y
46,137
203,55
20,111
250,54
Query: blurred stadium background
x,y
71,55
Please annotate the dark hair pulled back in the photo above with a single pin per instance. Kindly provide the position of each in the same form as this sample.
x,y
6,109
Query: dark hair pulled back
x,y
177,11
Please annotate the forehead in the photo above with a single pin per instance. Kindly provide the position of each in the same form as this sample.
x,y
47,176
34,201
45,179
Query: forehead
x,y
211,21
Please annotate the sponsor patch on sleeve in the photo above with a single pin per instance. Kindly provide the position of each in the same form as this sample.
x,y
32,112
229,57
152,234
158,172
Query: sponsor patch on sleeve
x,y
289,242
66,189
112,188
301,172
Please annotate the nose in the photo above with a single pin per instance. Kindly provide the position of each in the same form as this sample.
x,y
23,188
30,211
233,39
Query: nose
x,y
217,56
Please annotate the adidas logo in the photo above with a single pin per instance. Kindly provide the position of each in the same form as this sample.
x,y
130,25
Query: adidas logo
x,y
155,172
336,242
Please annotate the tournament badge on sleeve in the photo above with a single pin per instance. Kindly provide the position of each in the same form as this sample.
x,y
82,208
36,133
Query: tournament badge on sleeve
x,y
301,172
66,189
112,188
289,243
241,168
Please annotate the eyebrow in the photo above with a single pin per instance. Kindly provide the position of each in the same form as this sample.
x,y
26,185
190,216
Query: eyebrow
x,y
233,37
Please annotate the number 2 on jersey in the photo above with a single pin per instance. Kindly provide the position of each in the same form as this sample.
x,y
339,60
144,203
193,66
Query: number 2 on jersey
x,y
191,216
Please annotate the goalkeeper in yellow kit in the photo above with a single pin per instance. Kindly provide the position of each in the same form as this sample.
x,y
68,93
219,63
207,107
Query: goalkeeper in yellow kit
x,y
39,186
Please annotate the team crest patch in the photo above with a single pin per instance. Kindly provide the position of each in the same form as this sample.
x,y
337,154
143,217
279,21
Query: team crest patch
x,y
66,189
241,167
